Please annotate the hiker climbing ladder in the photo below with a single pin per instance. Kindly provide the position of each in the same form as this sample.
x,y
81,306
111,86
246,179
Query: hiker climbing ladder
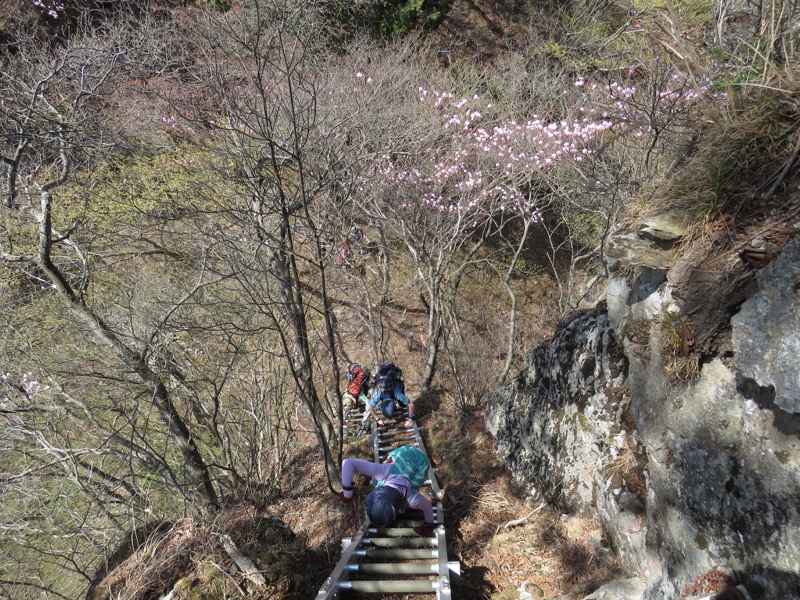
x,y
396,560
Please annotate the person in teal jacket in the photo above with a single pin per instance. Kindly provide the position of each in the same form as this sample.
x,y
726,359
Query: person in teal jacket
x,y
397,484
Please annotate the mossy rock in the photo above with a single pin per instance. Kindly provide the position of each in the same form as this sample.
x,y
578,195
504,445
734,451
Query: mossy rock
x,y
269,548
275,564
206,583
509,594
271,529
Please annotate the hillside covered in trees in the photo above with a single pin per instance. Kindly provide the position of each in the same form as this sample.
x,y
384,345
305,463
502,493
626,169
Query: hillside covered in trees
x,y
209,208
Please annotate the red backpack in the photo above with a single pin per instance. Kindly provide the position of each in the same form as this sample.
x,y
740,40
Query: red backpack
x,y
357,377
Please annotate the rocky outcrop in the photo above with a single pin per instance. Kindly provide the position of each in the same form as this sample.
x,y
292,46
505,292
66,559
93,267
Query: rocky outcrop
x,y
556,422
723,454
765,331
652,245
720,445
560,427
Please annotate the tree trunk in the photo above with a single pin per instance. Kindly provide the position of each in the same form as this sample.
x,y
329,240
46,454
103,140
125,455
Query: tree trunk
x,y
299,355
200,489
434,341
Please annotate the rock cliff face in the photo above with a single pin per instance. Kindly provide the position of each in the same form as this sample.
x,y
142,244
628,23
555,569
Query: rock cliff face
x,y
673,417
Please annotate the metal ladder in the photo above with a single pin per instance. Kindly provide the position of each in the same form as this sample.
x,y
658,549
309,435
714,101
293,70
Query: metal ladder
x,y
395,560
353,423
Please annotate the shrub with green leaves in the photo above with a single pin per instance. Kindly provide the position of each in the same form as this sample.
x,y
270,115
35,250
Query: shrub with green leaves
x,y
389,18
399,18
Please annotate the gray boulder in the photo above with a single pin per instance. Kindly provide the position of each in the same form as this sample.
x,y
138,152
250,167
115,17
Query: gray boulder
x,y
765,332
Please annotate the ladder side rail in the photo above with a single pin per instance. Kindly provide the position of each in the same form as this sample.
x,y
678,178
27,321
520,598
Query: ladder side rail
x,y
444,588
330,589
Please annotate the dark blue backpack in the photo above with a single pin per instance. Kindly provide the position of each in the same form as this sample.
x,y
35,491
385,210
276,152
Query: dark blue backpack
x,y
387,377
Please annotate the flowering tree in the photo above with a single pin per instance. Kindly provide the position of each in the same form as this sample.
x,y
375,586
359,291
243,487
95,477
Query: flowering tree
x,y
52,8
471,170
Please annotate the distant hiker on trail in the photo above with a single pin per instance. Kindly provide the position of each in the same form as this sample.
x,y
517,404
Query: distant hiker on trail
x,y
357,234
346,257
358,385
389,390
397,484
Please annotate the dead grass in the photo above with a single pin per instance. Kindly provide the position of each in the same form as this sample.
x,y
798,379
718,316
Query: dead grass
x,y
682,363
292,542
154,567
737,159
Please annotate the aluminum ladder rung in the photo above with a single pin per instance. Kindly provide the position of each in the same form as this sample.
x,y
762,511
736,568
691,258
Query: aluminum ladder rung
x,y
402,436
399,542
395,568
397,432
395,586
399,553
395,531
412,523
384,445
397,418
390,423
